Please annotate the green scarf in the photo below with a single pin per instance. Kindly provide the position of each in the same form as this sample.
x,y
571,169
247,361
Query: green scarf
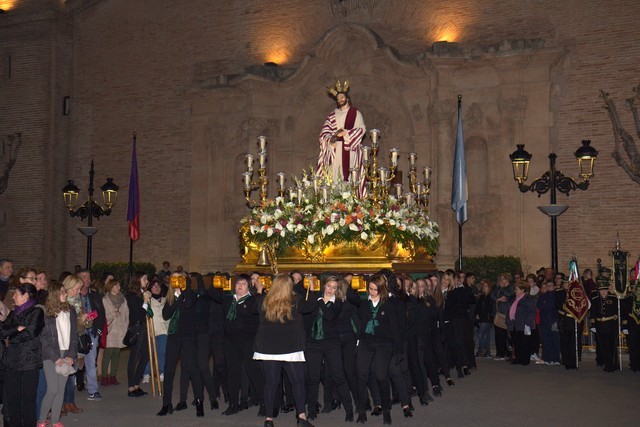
x,y
231,315
173,322
373,323
317,330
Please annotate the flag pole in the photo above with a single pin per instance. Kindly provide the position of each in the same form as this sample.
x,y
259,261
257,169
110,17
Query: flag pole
x,y
460,247
459,191
133,210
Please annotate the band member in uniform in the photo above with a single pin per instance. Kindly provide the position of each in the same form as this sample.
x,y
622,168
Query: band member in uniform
x,y
604,322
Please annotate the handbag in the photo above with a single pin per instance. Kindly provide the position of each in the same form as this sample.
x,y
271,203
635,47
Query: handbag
x,y
84,343
131,337
103,337
500,320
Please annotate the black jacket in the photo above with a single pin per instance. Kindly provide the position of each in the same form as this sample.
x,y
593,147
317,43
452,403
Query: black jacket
x,y
24,351
187,320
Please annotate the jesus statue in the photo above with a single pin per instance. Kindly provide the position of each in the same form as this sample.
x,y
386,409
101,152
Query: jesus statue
x,y
341,139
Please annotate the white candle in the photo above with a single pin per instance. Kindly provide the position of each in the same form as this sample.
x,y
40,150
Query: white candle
x,y
315,184
412,158
262,143
419,189
365,154
409,197
427,174
398,191
394,156
375,133
247,179
263,158
280,179
354,175
325,195
249,158
292,194
383,174
299,194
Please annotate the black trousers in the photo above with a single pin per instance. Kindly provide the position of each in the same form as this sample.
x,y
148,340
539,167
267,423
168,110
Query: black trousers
x,y
439,348
348,347
634,345
374,357
219,374
273,374
455,342
238,354
607,342
521,347
203,357
568,341
138,359
399,376
20,389
415,366
329,351
184,349
501,342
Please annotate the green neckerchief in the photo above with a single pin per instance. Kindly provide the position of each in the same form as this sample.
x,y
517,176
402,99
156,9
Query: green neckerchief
x,y
373,323
231,315
149,310
317,330
173,322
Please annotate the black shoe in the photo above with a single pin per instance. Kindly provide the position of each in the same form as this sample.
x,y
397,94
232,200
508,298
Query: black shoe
x,y
199,408
214,404
466,371
362,419
335,404
377,410
141,392
411,406
348,418
287,408
181,406
450,382
166,409
231,410
327,408
304,423
386,418
268,423
312,415
262,411
243,405
437,390
408,413
133,393
424,401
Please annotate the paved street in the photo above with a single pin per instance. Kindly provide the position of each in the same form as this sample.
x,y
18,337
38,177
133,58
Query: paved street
x,y
497,394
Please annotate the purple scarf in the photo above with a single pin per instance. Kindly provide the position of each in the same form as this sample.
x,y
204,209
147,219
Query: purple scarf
x,y
27,305
514,306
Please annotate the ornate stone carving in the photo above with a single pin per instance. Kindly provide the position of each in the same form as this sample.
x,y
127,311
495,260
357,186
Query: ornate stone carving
x,y
620,135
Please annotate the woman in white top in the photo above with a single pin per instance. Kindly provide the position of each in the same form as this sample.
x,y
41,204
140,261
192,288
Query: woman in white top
x,y
59,350
156,301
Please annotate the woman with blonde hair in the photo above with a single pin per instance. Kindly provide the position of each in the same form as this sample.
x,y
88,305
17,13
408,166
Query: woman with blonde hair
x,y
280,341
59,351
117,317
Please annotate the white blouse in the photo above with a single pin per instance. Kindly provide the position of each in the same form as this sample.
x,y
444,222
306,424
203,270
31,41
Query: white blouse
x,y
63,325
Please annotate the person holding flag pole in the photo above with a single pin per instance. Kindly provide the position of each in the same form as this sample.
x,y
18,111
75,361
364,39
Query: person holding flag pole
x,y
620,283
573,305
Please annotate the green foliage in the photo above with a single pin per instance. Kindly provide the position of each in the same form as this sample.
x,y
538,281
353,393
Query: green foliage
x,y
490,267
121,270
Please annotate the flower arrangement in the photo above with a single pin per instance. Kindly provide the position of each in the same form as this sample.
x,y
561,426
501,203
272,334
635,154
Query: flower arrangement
x,y
343,218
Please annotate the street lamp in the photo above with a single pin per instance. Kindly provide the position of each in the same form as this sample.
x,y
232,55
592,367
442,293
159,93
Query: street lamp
x,y
553,180
90,208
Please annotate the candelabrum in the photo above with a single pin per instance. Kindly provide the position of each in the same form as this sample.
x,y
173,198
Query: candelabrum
x,y
262,181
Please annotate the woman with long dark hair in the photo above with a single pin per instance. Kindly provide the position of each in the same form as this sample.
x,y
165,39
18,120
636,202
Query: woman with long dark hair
x,y
22,359
280,343
139,354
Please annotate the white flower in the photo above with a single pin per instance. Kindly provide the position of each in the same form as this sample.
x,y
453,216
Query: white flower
x,y
328,231
353,227
299,227
364,236
269,232
342,222
282,233
346,194
290,226
311,238
277,214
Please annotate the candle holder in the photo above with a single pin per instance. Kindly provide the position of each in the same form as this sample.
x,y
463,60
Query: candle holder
x,y
262,182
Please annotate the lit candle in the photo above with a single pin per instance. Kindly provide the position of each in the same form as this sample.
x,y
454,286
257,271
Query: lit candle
x,y
249,158
419,189
262,143
292,194
299,194
394,156
375,133
280,180
247,179
427,174
398,191
315,184
365,154
263,158
412,158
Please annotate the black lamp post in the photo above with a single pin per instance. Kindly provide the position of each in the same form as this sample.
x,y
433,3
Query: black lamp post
x,y
90,208
553,180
